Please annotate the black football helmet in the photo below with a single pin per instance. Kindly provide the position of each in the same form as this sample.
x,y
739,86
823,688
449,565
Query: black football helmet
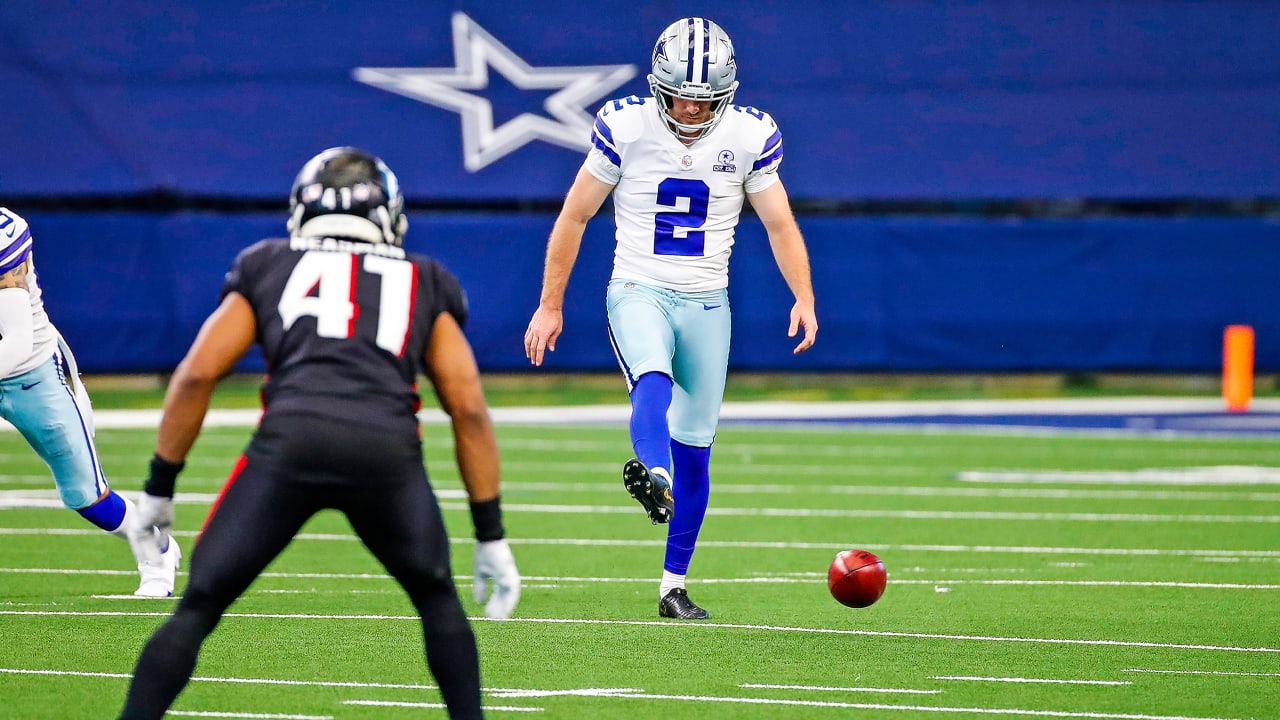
x,y
346,192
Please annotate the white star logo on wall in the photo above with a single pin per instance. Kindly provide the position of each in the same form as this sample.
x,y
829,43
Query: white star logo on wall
x,y
474,52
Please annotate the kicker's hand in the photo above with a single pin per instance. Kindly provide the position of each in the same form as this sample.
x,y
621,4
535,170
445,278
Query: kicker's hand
x,y
496,579
540,336
803,316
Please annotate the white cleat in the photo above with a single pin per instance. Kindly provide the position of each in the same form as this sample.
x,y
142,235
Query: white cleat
x,y
158,577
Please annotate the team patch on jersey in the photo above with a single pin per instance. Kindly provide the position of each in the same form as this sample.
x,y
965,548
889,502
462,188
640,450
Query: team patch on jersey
x,y
726,163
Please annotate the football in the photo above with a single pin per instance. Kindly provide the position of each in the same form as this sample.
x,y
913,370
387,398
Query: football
x,y
856,578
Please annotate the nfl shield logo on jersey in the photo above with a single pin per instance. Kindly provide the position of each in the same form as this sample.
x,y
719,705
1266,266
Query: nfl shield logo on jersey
x,y
686,162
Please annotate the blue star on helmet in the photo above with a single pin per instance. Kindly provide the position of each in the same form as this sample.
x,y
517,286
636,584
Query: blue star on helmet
x,y
732,61
660,50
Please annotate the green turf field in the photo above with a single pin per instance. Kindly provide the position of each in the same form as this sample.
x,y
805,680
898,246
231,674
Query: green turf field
x,y
1128,596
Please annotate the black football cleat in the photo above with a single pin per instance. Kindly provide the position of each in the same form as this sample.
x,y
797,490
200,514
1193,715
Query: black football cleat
x,y
676,604
650,490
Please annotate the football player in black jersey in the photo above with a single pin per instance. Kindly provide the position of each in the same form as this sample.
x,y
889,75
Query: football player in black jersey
x,y
347,319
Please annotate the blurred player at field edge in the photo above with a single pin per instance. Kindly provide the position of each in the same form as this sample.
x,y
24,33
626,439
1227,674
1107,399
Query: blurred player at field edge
x,y
346,319
42,396
679,165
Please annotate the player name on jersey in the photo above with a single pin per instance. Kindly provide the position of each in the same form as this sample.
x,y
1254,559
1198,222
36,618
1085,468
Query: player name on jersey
x,y
328,244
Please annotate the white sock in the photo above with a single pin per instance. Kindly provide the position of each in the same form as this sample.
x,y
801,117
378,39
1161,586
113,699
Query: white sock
x,y
670,581
141,542
662,473
127,521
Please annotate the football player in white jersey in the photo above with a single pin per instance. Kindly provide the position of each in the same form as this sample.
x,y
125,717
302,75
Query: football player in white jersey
x,y
42,396
679,165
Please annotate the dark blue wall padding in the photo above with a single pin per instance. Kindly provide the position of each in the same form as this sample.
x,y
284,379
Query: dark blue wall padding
x,y
933,99
897,294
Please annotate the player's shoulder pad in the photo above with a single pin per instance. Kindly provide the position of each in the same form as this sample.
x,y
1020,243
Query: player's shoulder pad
x,y
622,120
15,240
444,285
756,128
422,260
434,269
758,135
258,252
263,247
12,226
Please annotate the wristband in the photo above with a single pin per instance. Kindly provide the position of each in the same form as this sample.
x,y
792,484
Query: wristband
x,y
487,518
164,475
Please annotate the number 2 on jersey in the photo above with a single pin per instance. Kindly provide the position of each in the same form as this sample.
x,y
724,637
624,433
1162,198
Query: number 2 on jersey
x,y
693,242
332,278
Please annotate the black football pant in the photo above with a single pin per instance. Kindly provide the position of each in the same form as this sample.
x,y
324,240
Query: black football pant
x,y
258,515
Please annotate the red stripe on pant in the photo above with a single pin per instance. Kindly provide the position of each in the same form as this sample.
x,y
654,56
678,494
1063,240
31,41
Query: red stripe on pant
x,y
235,473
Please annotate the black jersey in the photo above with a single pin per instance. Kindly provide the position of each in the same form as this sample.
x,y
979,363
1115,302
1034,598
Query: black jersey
x,y
343,325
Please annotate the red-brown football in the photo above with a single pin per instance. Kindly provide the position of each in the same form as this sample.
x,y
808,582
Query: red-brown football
x,y
856,578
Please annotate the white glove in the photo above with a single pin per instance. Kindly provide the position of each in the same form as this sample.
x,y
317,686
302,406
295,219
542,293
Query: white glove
x,y
496,564
156,512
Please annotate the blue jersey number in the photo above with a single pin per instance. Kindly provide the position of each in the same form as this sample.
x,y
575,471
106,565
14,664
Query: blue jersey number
x,y
665,241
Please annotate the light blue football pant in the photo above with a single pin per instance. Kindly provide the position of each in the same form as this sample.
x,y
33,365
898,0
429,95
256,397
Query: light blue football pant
x,y
684,335
50,407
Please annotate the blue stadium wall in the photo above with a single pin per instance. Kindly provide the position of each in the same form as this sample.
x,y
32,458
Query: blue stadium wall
x,y
911,294
206,110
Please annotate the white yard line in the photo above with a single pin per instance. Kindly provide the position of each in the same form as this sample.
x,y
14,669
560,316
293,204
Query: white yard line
x,y
1030,680
677,627
767,410
821,688
897,514
917,708
1093,583
230,680
13,499
625,693
536,693
1204,672
734,488
505,692
438,706
42,490
246,715
768,545
552,581
1213,475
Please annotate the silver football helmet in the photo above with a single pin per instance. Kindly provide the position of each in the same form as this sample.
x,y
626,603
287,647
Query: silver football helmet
x,y
693,60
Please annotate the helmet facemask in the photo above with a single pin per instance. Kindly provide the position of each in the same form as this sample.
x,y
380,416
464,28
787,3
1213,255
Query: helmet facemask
x,y
720,101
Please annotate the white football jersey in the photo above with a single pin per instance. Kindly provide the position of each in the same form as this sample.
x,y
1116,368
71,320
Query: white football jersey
x,y
15,249
676,206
